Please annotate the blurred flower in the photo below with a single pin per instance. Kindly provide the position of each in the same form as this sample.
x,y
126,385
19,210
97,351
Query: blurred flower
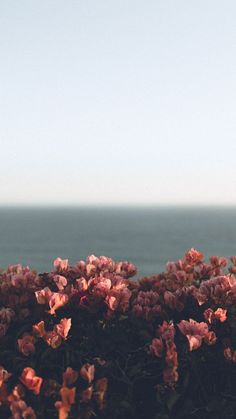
x,y
87,372
194,332
30,380
67,399
69,376
60,282
39,329
63,328
61,265
56,301
100,392
26,345
156,347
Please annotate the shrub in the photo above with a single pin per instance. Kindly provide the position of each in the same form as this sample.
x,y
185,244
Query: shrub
x,y
87,340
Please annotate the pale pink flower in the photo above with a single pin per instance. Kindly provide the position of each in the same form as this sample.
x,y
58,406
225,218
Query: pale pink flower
x,y
194,332
82,284
60,282
61,264
43,296
56,301
63,328
39,329
111,302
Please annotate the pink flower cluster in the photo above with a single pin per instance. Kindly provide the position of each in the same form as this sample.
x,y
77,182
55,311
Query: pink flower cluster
x,y
220,290
94,284
54,337
218,315
196,332
173,313
147,304
165,343
17,285
94,393
18,407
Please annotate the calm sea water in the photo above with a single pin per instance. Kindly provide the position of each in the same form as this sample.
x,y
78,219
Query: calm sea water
x,y
148,237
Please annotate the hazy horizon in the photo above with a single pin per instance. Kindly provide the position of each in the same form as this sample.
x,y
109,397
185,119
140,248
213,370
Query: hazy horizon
x,y
117,103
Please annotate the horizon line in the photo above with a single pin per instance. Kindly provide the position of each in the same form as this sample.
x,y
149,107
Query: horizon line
x,y
116,205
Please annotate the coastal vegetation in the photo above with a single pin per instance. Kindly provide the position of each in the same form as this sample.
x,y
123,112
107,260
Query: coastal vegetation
x,y
88,341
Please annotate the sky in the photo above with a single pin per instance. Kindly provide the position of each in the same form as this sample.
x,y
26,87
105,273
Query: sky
x,y
117,102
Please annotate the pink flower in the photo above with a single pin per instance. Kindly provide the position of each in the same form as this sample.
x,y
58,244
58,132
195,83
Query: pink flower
x,y
4,375
53,339
221,315
17,393
39,329
193,256
67,399
194,332
171,355
69,377
90,269
60,282
104,285
87,372
56,301
218,261
60,264
111,302
156,347
82,284
26,345
210,338
43,296
166,331
20,410
30,380
63,328
209,315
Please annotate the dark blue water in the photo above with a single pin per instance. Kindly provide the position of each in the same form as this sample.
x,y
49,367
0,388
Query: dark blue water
x,y
148,237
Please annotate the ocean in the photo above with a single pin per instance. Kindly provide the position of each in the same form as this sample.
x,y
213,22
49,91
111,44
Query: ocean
x,y
148,237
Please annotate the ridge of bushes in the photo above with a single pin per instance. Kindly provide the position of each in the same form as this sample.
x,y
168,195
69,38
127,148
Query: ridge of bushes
x,y
88,341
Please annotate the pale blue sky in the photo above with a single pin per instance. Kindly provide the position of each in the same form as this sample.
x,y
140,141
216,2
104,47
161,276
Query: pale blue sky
x,y
116,102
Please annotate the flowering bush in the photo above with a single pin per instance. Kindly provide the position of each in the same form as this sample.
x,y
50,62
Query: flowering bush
x,y
87,340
